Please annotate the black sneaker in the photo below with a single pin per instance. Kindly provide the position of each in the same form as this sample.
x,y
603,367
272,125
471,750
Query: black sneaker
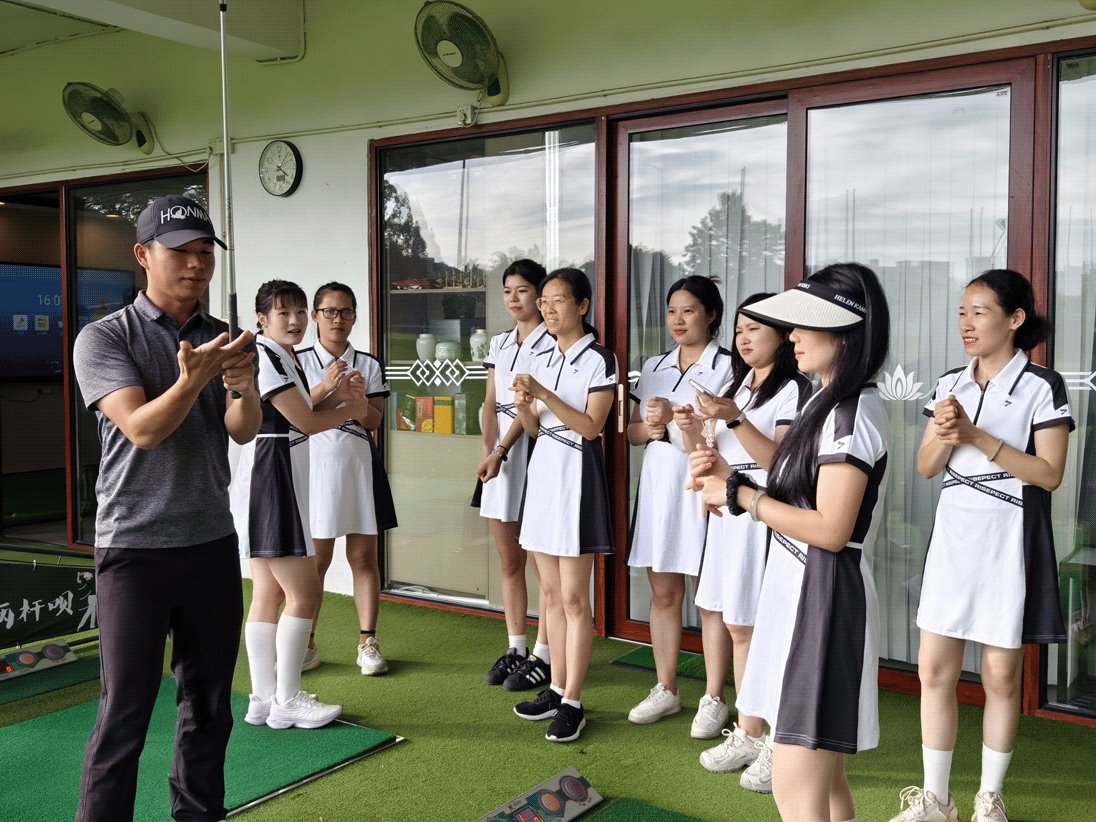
x,y
503,667
567,725
530,675
543,707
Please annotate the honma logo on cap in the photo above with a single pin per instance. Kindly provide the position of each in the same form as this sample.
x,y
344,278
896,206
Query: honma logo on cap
x,y
182,212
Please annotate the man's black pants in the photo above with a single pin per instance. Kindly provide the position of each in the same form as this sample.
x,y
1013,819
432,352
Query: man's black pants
x,y
144,595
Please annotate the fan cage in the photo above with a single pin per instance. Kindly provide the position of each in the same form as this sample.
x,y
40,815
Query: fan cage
x,y
81,98
438,21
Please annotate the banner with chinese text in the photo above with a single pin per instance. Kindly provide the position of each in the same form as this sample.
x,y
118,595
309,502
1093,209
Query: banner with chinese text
x,y
39,601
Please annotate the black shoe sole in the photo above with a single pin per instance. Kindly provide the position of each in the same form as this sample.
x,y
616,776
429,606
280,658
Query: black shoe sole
x,y
572,738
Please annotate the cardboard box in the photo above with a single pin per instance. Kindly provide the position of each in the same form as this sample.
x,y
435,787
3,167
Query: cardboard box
x,y
443,415
424,414
404,418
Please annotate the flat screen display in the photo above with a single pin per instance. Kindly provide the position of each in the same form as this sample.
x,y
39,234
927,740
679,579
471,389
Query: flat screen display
x,y
31,340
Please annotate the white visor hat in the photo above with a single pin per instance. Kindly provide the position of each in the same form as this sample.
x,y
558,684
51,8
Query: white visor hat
x,y
809,305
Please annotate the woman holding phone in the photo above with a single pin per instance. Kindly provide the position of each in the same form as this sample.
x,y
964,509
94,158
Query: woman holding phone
x,y
744,425
668,525
999,429
813,666
501,472
269,498
349,493
563,402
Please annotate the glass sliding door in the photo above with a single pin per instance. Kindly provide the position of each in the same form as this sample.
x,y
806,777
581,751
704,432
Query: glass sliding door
x,y
706,196
1070,674
916,188
454,215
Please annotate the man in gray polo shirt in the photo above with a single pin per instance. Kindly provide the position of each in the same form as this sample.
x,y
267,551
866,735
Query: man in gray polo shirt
x,y
158,374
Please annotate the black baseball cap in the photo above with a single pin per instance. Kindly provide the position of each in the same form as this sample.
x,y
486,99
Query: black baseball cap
x,y
174,221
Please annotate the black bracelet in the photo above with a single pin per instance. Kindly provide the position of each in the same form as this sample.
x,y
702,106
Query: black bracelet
x,y
735,481
502,453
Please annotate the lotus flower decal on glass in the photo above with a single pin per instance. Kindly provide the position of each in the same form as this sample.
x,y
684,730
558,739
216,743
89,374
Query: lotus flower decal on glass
x,y
900,386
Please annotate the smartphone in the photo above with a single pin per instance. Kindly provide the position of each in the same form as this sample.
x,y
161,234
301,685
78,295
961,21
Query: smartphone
x,y
700,389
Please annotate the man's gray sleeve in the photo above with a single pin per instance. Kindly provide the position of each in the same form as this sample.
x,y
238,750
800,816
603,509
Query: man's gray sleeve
x,y
103,363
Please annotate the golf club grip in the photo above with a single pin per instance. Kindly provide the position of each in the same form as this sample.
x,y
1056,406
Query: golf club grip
x,y
233,327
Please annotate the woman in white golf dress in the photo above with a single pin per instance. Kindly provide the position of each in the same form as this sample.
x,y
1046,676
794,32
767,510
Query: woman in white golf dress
x,y
668,524
501,473
999,430
745,423
349,494
269,499
565,518
813,666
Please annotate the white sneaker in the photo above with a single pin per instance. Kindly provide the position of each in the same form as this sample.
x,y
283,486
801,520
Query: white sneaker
x,y
661,702
303,711
711,716
732,754
257,710
311,658
759,776
369,658
989,807
925,807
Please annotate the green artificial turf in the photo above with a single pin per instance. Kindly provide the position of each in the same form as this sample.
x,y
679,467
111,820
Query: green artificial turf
x,y
48,679
689,666
467,753
49,751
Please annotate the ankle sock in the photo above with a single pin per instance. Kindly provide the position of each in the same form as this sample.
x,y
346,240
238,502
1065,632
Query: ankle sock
x,y
292,643
574,703
259,639
937,772
364,635
519,643
557,691
994,766
542,653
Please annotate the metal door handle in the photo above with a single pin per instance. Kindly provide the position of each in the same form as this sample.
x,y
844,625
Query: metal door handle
x,y
620,408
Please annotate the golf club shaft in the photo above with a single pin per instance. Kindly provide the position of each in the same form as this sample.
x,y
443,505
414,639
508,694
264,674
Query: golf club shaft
x,y
230,257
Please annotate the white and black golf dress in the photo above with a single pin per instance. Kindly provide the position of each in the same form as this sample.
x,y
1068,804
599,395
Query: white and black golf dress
x,y
348,489
500,497
733,565
269,490
565,507
991,573
668,522
813,668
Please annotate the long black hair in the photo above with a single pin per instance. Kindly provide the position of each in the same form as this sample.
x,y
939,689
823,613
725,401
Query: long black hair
x,y
784,363
323,289
274,293
1013,292
580,290
529,270
705,290
861,352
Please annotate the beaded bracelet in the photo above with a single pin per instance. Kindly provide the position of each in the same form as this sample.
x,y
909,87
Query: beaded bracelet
x,y
1000,445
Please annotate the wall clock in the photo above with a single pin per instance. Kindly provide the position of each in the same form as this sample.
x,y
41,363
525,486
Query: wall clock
x,y
280,168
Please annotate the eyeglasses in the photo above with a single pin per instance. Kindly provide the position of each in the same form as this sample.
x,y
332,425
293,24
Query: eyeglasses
x,y
556,303
332,313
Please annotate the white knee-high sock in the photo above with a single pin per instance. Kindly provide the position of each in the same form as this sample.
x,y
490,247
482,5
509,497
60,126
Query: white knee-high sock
x,y
259,639
292,644
937,772
994,766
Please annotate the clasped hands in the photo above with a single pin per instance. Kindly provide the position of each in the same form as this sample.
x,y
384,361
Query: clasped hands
x,y
345,384
219,356
952,425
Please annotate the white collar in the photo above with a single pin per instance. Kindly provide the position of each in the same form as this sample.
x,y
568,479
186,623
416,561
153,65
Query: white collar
x,y
535,336
326,357
1005,379
576,350
673,358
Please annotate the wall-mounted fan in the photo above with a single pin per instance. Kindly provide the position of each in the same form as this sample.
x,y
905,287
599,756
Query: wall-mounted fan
x,y
102,116
456,43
